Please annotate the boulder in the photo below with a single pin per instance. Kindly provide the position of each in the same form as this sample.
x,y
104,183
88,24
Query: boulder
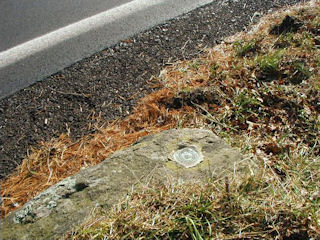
x,y
181,155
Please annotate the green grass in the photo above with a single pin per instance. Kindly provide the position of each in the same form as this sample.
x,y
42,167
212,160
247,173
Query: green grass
x,y
269,64
243,48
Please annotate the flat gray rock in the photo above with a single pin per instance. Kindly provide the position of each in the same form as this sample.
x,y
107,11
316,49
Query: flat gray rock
x,y
181,155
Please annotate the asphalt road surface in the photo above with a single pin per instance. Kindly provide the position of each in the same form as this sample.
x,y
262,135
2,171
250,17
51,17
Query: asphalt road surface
x,y
23,20
40,37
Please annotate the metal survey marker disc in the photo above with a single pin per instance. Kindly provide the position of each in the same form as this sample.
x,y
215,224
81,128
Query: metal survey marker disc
x,y
188,156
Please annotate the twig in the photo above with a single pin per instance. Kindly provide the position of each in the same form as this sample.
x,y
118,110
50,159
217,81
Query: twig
x,y
73,94
48,163
211,117
227,186
29,170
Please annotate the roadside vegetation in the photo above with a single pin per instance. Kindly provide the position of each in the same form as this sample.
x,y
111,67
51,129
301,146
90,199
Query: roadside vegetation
x,y
260,92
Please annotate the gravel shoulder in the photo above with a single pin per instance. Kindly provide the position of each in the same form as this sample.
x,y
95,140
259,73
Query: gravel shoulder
x,y
107,85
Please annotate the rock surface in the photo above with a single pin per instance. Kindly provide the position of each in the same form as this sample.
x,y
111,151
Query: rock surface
x,y
66,204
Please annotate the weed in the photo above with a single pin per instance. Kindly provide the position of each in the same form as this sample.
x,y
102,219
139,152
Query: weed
x,y
246,103
299,72
269,63
243,48
285,40
307,41
214,69
196,64
315,25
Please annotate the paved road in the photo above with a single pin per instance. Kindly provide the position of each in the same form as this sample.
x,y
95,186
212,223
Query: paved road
x,y
23,20
47,53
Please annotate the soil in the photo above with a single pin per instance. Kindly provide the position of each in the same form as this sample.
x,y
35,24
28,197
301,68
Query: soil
x,y
107,85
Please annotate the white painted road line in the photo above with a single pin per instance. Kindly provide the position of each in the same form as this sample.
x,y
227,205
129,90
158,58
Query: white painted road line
x,y
23,20
34,60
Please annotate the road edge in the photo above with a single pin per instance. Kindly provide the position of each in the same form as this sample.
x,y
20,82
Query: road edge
x,y
41,57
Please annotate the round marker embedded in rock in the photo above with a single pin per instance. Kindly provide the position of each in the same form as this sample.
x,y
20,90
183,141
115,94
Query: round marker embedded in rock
x,y
188,156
